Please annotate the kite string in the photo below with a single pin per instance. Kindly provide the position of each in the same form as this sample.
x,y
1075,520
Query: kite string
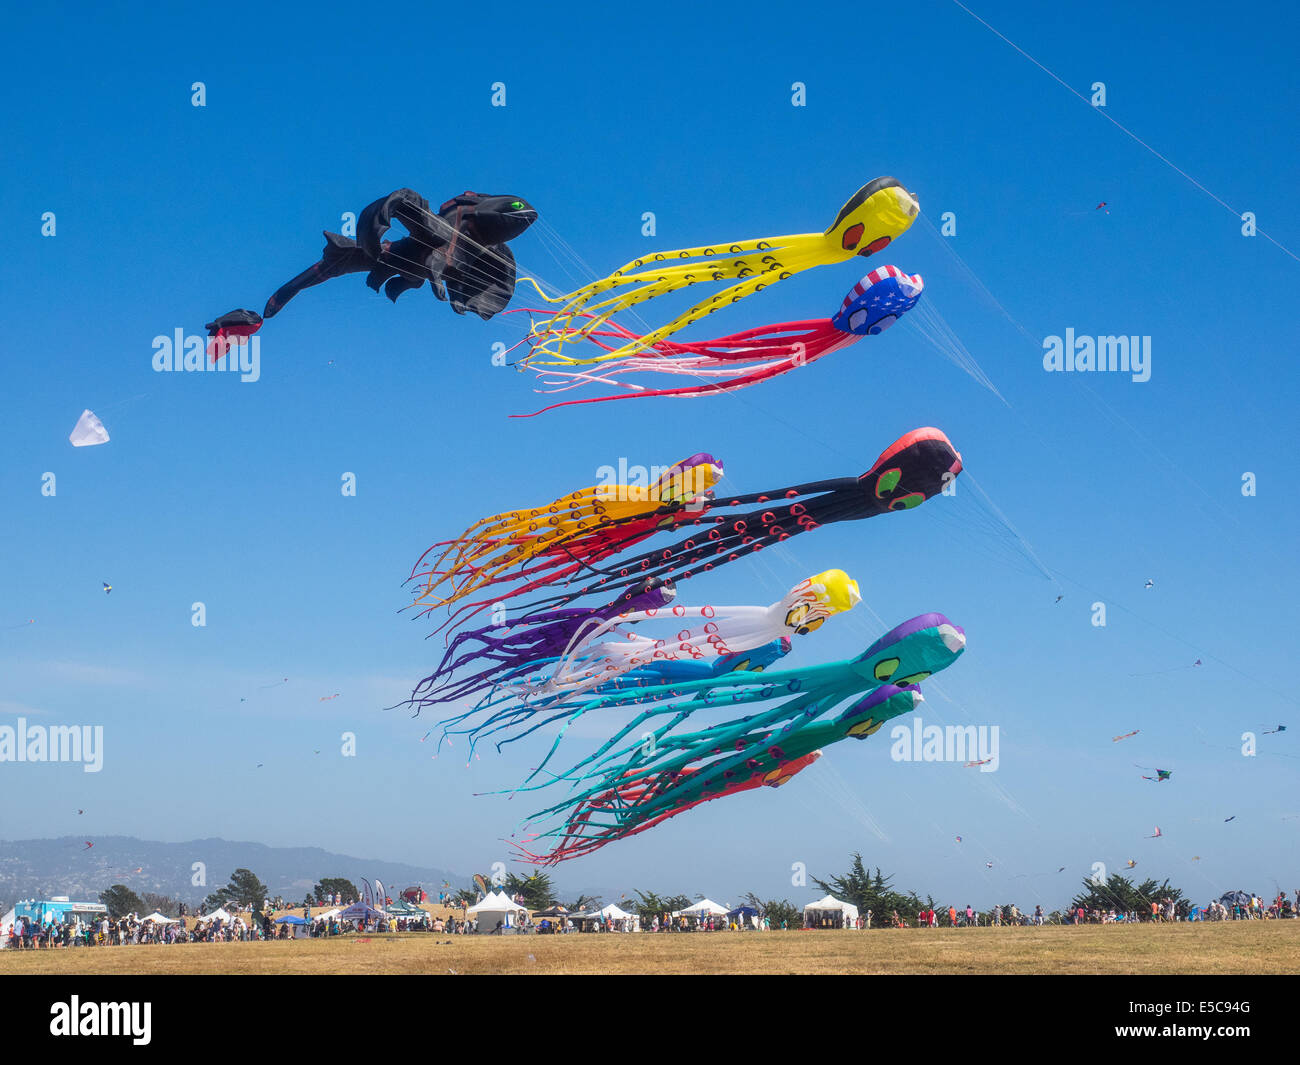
x,y
1124,129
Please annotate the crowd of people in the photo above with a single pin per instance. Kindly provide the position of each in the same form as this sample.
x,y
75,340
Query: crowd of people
x,y
27,934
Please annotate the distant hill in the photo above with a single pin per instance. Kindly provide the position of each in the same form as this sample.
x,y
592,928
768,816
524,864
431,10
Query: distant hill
x,y
43,867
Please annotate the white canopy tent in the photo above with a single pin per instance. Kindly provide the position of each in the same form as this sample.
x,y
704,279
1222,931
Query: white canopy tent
x,y
703,908
158,918
829,912
219,914
613,913
497,907
361,911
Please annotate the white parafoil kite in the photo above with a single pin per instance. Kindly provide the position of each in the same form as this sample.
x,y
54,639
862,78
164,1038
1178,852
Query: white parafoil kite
x,y
88,431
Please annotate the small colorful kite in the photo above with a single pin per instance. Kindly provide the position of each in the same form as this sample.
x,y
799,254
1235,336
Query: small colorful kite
x,y
1132,864
982,761
1232,818
1161,775
1126,735
1157,835
1274,731
107,587
877,214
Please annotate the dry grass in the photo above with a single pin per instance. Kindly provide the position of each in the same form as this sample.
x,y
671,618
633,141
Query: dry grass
x,y
1231,947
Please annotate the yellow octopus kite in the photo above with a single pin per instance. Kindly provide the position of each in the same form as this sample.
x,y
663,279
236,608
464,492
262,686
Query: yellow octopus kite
x,y
876,214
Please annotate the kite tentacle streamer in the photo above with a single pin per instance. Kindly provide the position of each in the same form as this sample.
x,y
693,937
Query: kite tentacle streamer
x,y
621,792
874,304
873,217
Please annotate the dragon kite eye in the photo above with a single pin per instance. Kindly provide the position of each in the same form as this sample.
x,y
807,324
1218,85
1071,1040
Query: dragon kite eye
x,y
887,482
915,678
518,205
885,669
851,237
863,729
908,502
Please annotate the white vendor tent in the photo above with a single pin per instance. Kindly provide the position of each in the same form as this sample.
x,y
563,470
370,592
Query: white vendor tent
x,y
613,913
829,912
703,908
497,907
158,918
219,914
360,911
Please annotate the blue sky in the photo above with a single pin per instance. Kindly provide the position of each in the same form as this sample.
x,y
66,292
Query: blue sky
x,y
227,493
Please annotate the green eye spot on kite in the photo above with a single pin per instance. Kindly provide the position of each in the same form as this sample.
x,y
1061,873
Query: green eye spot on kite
x,y
887,482
908,502
884,670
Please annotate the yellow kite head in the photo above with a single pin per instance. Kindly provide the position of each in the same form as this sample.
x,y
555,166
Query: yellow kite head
x,y
876,214
813,600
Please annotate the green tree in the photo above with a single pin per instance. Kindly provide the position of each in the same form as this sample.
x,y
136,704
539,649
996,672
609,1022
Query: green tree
x,y
650,905
244,889
168,907
121,900
776,911
1116,892
535,889
336,885
874,892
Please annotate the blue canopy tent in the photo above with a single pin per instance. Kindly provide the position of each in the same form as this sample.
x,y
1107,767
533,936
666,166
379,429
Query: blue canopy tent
x,y
745,916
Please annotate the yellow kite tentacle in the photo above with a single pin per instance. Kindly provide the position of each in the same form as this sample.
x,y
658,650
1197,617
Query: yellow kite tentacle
x,y
871,219
493,545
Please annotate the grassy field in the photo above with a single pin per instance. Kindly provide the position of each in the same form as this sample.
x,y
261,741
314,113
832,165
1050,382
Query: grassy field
x,y
1230,947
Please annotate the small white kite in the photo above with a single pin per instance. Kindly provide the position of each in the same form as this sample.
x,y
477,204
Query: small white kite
x,y
88,431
